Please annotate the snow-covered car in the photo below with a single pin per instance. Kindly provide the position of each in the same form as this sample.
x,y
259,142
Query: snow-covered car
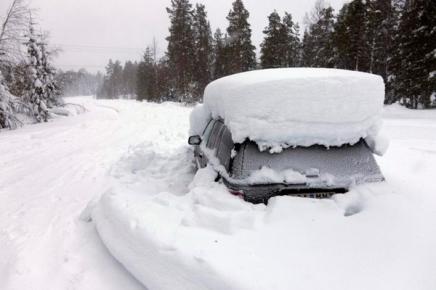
x,y
255,175
303,132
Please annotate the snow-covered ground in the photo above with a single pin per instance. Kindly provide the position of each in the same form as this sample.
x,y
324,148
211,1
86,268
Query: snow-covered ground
x,y
172,232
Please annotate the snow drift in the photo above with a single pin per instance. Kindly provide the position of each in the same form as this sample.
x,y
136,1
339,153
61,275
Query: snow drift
x,y
296,106
174,233
378,236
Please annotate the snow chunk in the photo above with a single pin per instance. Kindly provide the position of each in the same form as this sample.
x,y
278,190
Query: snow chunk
x,y
269,175
38,83
279,108
378,144
203,177
199,119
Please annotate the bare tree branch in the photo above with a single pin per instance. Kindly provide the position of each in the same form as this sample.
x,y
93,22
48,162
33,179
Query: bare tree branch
x,y
12,30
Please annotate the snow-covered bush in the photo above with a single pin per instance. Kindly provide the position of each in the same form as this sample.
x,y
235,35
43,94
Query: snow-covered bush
x,y
8,106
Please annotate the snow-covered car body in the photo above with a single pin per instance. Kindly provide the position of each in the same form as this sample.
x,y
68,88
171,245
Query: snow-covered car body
x,y
314,171
303,131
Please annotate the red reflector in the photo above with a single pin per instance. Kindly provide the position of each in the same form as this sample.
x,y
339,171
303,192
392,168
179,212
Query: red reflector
x,y
237,192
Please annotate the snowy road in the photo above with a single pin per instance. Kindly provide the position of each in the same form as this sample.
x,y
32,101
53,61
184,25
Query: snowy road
x,y
48,174
169,232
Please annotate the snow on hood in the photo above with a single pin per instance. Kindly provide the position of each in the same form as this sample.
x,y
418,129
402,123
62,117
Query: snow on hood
x,y
279,108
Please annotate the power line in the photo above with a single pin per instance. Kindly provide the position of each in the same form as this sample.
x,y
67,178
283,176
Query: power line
x,y
99,47
137,53
81,65
96,46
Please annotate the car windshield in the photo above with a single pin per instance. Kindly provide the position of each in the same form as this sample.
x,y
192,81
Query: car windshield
x,y
342,166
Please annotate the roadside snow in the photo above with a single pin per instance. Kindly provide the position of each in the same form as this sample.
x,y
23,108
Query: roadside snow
x,y
196,235
297,106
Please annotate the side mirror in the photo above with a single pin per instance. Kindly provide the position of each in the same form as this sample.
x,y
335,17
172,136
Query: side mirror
x,y
194,140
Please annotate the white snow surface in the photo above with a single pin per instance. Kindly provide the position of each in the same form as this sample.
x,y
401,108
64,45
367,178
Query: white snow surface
x,y
126,166
198,120
267,175
279,108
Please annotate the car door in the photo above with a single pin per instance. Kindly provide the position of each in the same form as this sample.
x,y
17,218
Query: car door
x,y
225,146
198,152
210,140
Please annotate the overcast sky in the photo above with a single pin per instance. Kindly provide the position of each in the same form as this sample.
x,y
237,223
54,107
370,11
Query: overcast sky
x,y
92,31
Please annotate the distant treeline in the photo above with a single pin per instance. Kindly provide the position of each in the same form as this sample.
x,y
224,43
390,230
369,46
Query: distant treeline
x,y
395,39
79,83
120,81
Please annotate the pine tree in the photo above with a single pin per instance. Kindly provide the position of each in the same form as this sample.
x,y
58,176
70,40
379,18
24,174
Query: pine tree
x,y
51,89
272,55
105,90
340,40
281,46
203,50
350,37
129,78
37,91
241,50
359,48
415,80
308,47
221,55
382,22
146,89
117,80
164,82
113,81
180,52
291,43
318,50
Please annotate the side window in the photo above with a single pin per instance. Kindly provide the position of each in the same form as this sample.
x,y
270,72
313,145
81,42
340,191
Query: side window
x,y
208,129
214,137
225,148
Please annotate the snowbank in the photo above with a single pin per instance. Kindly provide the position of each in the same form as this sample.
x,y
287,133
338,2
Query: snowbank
x,y
298,106
172,233
208,239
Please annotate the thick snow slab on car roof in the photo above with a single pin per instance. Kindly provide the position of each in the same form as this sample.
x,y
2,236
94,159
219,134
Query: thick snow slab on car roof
x,y
298,106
